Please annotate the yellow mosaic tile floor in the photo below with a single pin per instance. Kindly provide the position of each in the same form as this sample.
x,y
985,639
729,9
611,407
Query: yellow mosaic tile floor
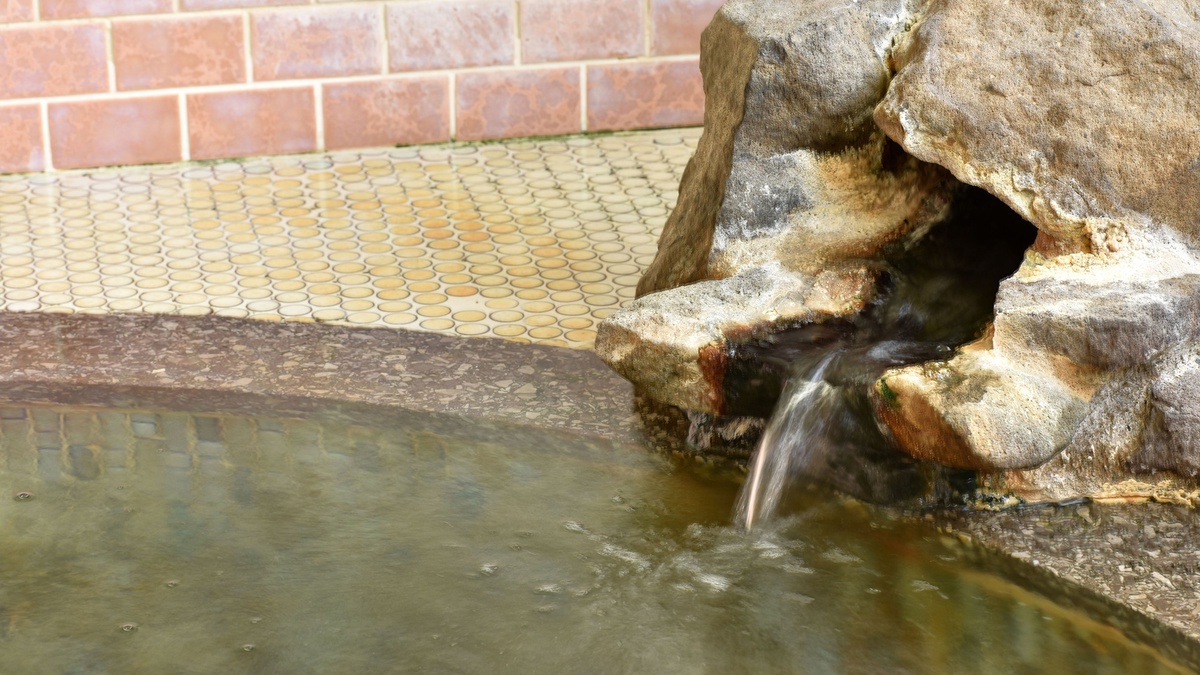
x,y
533,240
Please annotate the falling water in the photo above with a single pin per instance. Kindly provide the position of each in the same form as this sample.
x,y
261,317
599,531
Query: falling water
x,y
817,415
794,433
938,294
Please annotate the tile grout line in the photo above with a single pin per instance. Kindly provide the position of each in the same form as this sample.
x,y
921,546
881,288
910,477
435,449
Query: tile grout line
x,y
185,141
111,62
583,98
47,157
385,47
249,62
319,114
452,104
647,27
37,18
517,56
235,87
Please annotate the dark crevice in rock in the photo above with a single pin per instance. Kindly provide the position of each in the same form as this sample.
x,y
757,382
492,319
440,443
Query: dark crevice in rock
x,y
937,293
939,290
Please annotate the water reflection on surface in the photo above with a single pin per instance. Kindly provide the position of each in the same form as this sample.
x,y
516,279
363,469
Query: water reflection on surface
x,y
175,542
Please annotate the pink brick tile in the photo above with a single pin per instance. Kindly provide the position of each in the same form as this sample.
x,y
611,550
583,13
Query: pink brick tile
x,y
316,42
513,103
16,10
450,34
79,9
640,95
123,131
49,60
676,25
21,139
387,112
567,30
263,122
190,5
178,52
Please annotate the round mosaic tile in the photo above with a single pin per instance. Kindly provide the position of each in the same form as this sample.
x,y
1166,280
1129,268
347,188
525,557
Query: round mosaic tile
x,y
534,241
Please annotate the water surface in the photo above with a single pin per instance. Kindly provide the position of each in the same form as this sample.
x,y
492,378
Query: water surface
x,y
175,542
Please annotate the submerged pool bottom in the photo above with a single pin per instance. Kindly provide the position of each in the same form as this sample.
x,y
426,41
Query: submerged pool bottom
x,y
166,541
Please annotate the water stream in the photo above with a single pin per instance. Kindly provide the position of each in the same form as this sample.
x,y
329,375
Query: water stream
x,y
937,294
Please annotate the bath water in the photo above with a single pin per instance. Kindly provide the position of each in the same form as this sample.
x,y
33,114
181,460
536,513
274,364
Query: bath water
x,y
154,541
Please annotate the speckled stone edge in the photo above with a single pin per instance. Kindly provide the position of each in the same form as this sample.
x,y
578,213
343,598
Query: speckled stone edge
x,y
1106,560
237,365
440,382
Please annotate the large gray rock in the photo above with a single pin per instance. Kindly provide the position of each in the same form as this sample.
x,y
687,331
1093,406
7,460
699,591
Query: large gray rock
x,y
1172,437
978,411
1137,442
1082,116
791,195
672,343
786,84
1022,99
1094,321
831,131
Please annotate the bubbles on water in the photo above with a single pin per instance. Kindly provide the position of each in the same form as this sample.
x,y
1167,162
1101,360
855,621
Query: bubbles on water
x,y
488,569
171,583
716,582
256,619
548,589
618,499
919,586
636,559
247,647
129,627
793,568
574,526
837,555
799,598
23,496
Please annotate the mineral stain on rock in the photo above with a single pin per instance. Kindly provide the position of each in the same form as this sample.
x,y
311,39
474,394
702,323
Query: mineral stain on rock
x,y
840,134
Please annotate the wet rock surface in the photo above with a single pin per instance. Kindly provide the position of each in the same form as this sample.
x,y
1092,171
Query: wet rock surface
x,y
1020,102
833,135
791,196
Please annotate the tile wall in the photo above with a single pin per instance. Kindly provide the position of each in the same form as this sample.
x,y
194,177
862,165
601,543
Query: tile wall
x,y
89,83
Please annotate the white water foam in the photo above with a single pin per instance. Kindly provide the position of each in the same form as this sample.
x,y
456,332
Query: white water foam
x,y
794,436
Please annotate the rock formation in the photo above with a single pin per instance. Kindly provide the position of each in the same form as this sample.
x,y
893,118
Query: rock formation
x,y
836,130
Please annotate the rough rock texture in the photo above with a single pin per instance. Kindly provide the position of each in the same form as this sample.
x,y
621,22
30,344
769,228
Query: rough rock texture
x,y
672,342
791,194
1172,433
978,411
1084,118
1138,441
785,93
1062,330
